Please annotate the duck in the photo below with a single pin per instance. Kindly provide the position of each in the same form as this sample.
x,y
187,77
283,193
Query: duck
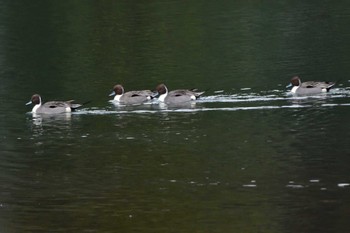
x,y
52,107
130,97
176,96
309,87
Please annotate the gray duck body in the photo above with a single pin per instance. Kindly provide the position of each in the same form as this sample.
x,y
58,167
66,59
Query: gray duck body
x,y
130,97
176,96
310,87
52,107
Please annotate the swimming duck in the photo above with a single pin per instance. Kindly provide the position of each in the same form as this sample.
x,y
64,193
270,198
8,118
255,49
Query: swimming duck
x,y
176,96
52,107
131,97
309,87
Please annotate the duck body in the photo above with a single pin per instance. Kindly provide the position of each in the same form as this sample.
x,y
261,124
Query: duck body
x,y
130,97
309,87
52,107
176,96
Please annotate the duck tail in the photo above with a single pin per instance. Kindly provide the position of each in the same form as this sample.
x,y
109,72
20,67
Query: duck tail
x,y
154,94
330,85
197,92
76,106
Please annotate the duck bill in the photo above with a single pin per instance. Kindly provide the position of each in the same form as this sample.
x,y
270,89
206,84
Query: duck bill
x,y
289,85
112,93
30,102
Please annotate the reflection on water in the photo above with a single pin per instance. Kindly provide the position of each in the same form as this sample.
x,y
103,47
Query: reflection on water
x,y
186,105
49,122
153,105
39,119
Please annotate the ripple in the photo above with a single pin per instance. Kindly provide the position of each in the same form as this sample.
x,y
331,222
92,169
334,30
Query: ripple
x,y
295,186
249,185
203,109
342,185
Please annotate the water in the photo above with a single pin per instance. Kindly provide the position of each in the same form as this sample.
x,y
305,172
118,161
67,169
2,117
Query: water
x,y
247,157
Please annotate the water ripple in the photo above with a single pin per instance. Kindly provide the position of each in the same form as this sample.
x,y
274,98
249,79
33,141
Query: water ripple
x,y
278,100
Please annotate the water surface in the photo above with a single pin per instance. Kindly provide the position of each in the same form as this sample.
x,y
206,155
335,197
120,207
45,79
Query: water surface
x,y
247,157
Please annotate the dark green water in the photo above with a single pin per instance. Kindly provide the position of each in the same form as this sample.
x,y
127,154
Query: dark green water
x,y
247,157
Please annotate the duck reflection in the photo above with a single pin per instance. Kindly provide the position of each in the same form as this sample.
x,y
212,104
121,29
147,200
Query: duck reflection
x,y
177,106
46,122
122,107
39,119
319,99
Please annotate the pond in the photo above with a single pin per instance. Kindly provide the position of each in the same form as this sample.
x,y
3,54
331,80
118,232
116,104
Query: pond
x,y
246,157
